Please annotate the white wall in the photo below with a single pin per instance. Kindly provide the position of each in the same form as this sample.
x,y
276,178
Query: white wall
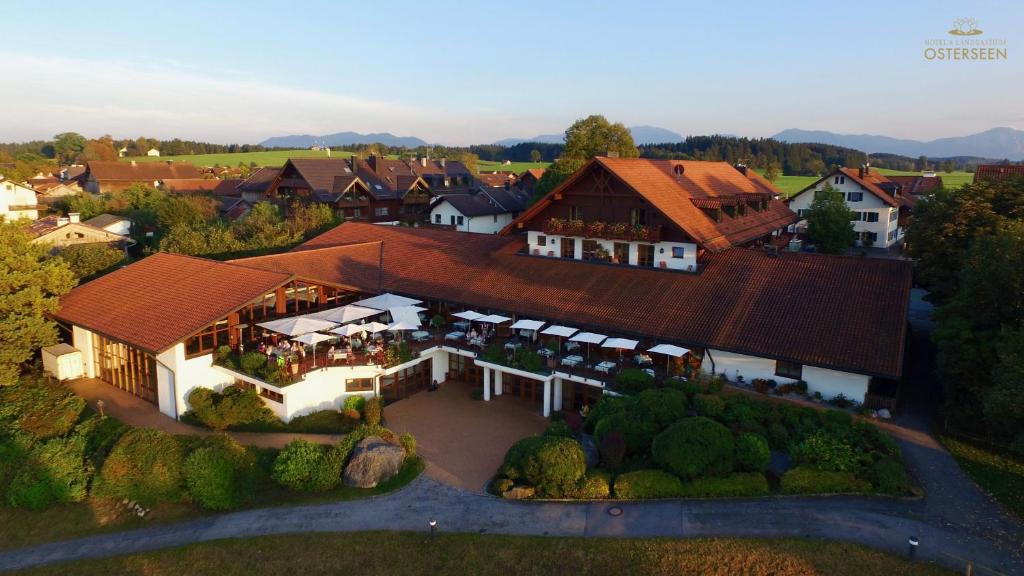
x,y
81,339
869,203
13,194
662,250
828,382
488,224
324,390
122,227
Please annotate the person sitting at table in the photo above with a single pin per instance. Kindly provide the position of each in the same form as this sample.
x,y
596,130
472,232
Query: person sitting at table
x,y
472,333
330,352
263,348
302,352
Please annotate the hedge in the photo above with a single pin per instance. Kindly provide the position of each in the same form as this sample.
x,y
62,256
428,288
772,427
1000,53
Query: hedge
x,y
41,407
372,411
647,483
663,406
145,465
633,381
825,451
221,474
54,472
695,447
709,405
595,485
232,407
752,453
805,480
307,467
553,465
733,486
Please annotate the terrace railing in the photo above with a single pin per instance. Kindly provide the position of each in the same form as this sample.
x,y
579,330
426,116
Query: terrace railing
x,y
603,230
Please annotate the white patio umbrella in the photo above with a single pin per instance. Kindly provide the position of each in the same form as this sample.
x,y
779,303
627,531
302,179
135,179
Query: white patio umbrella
x,y
349,329
588,338
468,315
408,314
527,325
493,319
374,327
560,332
387,301
312,339
620,344
670,351
297,325
344,314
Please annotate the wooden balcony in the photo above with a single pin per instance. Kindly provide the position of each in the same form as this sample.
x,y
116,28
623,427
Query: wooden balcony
x,y
603,230
353,203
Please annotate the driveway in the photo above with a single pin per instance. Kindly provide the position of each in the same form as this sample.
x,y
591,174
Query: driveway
x,y
463,440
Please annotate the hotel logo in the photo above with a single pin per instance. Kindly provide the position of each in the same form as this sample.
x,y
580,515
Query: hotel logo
x,y
965,27
966,45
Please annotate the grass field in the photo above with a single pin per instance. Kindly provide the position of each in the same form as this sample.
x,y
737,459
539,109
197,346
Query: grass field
x,y
517,167
398,554
949,180
999,476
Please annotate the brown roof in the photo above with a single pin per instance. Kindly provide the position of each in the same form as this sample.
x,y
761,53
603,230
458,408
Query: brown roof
x,y
258,181
996,172
844,313
495,180
164,298
104,220
671,186
191,185
918,185
148,172
535,172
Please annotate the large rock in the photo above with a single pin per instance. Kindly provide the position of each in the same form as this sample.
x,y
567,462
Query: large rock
x,y
520,493
373,461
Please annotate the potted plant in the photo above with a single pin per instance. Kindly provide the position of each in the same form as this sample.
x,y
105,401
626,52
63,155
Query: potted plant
x,y
602,253
595,229
556,225
640,232
617,229
574,226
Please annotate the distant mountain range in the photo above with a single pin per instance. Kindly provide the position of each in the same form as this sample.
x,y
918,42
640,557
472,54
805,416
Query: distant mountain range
x,y
641,135
342,139
997,143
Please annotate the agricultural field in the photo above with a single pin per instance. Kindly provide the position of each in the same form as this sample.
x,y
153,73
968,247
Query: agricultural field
x,y
268,158
949,179
790,185
517,167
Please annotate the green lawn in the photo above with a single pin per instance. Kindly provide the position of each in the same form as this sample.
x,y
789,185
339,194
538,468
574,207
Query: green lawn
x,y
949,180
1001,477
790,185
269,158
517,167
405,553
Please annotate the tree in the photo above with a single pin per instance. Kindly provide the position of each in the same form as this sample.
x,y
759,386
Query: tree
x,y
31,284
535,155
948,166
772,172
67,146
830,222
596,136
99,149
922,163
89,260
469,160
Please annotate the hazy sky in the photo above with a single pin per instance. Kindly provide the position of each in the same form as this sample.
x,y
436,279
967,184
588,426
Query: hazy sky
x,y
456,73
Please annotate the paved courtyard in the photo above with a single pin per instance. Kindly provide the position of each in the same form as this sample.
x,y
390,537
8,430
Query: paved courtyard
x,y
463,440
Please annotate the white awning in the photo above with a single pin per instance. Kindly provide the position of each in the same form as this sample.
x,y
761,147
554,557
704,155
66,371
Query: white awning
x,y
588,337
387,301
620,343
344,314
468,315
493,319
669,350
561,331
374,327
406,315
349,329
297,325
527,325
313,338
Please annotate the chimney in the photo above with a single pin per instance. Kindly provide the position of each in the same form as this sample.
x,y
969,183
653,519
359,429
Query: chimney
x,y
423,161
612,154
742,168
74,217
442,162
62,221
863,170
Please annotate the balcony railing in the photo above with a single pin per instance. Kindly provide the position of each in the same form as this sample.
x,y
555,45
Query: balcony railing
x,y
603,230
353,202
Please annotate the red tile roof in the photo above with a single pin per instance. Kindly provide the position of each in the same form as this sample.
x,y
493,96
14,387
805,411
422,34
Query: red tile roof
x,y
843,313
164,298
147,172
191,185
996,172
671,186
918,185
258,181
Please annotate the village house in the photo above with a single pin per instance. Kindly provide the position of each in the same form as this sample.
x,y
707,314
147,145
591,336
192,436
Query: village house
x,y
485,210
528,180
727,308
998,172
112,223
876,201
17,201
64,231
109,176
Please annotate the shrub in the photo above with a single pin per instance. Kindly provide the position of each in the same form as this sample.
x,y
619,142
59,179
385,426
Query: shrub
x,y
605,406
223,352
760,385
612,450
553,465
220,475
558,428
351,415
145,465
595,485
752,453
637,430
889,477
709,405
476,394
253,363
663,406
647,484
804,480
408,442
232,407
732,486
501,485
357,403
778,436
716,384
54,472
575,421
99,433
633,381
12,459
695,447
307,467
688,387
41,407
823,451
323,422
372,411
347,444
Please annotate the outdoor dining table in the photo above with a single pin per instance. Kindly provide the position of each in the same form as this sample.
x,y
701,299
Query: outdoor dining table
x,y
572,360
572,346
545,353
476,342
643,360
605,367
455,336
462,325
420,335
513,345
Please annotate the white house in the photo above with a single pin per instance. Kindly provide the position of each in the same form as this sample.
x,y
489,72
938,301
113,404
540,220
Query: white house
x,y
874,199
484,211
111,223
17,201
152,152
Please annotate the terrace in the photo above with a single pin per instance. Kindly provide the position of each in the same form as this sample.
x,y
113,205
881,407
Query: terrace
x,y
603,230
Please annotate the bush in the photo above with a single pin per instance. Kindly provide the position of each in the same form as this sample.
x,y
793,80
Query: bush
x,y
889,476
220,475
709,405
372,411
695,447
663,406
41,407
732,486
633,381
805,480
824,451
647,484
357,403
476,394
575,421
323,422
307,467
408,442
606,406
12,459
637,430
752,453
100,433
553,465
778,436
501,485
595,485
558,428
145,465
54,472
253,363
612,449
233,407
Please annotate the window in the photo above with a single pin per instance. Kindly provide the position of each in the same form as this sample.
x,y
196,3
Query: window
x,y
575,213
893,215
437,218
857,216
637,216
357,212
678,252
452,217
358,384
590,250
568,247
621,253
542,240
271,395
645,255
208,340
854,196
839,180
380,211
495,218
460,220
789,369
803,212
869,237
871,216
892,235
